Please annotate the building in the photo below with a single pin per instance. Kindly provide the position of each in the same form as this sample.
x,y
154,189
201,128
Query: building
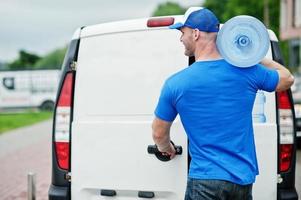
x,y
290,29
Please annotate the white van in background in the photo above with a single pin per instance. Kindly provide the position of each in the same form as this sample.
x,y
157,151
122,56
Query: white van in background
x,y
28,89
102,143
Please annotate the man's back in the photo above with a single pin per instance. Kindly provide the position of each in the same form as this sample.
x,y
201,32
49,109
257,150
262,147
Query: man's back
x,y
214,100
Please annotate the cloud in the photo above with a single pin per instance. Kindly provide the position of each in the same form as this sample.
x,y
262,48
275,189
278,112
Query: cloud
x,y
41,26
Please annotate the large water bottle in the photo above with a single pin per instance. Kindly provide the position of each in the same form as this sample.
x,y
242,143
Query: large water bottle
x,y
258,109
243,41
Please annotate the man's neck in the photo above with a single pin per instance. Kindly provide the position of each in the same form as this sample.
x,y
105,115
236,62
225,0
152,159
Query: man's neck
x,y
208,52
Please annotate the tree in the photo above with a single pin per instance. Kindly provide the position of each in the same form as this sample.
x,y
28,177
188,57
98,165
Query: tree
x,y
25,61
217,6
52,60
226,9
254,8
169,8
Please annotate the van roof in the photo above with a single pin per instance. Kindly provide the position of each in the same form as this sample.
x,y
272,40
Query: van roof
x,y
128,26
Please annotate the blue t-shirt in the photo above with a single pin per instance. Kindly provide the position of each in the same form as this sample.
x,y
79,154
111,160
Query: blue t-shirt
x,y
214,100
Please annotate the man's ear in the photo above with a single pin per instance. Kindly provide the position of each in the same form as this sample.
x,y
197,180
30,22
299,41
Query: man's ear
x,y
196,34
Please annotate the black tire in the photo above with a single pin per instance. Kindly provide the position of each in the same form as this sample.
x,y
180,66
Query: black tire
x,y
47,106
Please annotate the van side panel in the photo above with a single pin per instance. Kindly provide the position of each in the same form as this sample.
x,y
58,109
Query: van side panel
x,y
28,88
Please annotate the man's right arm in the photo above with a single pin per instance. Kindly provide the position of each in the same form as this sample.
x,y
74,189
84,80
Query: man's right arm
x,y
286,79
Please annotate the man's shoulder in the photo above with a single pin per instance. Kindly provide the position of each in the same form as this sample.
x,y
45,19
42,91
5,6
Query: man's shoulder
x,y
178,76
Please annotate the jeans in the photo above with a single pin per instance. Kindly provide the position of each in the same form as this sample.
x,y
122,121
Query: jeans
x,y
217,190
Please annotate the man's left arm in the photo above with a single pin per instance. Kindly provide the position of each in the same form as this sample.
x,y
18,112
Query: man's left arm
x,y
161,137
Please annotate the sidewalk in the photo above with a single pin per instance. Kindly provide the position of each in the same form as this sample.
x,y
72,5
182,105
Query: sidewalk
x,y
21,151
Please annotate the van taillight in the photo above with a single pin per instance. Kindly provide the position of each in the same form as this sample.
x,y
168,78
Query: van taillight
x,y
158,22
285,156
286,128
62,122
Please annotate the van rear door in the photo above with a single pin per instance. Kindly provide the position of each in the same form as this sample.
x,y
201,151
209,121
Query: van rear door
x,y
119,77
266,140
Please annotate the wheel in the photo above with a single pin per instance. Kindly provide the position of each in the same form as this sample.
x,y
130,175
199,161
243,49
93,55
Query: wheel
x,y
47,106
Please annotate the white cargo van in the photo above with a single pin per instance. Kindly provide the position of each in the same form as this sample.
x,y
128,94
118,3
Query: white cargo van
x,y
113,74
28,89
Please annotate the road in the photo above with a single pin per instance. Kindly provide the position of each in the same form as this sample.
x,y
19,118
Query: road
x,y
21,151
29,150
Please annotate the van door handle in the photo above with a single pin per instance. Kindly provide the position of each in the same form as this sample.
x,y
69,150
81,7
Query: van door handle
x,y
109,193
153,149
147,195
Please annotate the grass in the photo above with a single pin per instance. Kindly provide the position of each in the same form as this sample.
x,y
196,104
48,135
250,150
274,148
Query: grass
x,y
9,121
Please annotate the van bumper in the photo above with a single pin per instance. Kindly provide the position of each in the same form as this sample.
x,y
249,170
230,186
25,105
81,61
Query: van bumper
x,y
287,194
58,193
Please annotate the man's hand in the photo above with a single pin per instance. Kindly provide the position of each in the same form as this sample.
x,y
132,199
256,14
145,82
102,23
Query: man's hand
x,y
169,151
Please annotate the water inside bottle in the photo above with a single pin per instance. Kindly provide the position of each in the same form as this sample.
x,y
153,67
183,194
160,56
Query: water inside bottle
x,y
258,108
243,41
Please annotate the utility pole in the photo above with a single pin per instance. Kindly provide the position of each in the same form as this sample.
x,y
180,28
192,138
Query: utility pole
x,y
266,13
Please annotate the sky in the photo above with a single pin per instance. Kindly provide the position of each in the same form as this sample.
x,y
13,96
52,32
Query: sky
x,y
40,27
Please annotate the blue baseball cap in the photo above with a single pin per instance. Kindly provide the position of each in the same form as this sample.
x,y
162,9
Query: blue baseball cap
x,y
198,18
